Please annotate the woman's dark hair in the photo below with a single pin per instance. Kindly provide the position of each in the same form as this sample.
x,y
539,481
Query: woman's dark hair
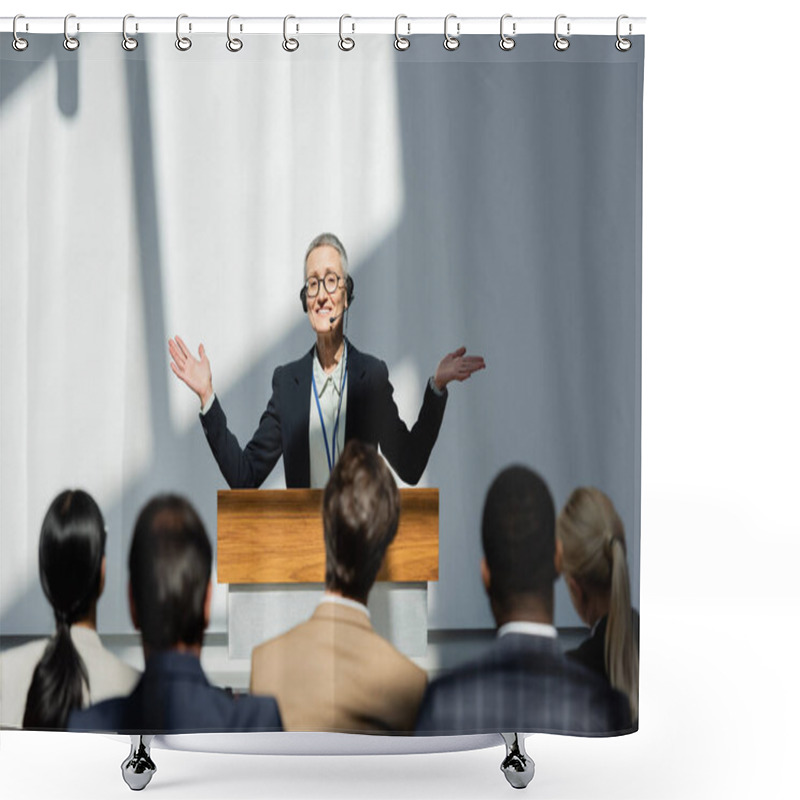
x,y
71,548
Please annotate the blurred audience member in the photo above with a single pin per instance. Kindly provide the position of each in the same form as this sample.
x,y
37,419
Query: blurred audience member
x,y
333,672
523,683
42,681
170,601
591,555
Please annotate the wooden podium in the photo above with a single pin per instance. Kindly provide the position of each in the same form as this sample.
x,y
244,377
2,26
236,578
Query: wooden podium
x,y
271,552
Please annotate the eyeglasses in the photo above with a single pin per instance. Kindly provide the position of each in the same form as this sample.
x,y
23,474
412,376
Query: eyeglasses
x,y
330,281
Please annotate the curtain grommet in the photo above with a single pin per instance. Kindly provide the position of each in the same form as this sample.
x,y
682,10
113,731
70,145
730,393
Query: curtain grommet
x,y
346,43
18,43
507,42
560,43
622,44
183,43
289,44
70,43
129,43
233,44
401,43
451,43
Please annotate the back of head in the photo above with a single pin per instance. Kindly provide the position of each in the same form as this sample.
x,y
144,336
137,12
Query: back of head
x,y
71,549
593,548
360,511
518,534
170,567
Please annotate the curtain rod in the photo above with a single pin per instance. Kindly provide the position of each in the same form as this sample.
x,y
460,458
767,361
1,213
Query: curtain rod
x,y
457,26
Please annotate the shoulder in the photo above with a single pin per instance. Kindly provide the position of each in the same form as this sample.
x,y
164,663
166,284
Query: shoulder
x,y
359,360
298,365
110,715
110,676
389,661
20,657
255,713
293,370
271,654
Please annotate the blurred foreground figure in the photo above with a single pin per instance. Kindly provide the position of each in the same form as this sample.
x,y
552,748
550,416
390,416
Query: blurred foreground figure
x,y
170,601
523,683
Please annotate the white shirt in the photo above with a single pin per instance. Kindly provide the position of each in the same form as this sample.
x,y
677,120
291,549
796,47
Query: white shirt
x,y
108,675
528,628
329,389
337,599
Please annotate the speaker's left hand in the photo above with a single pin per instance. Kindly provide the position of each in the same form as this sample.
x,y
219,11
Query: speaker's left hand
x,y
457,366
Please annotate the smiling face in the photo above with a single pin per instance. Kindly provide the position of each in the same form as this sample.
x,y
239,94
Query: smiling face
x,y
325,260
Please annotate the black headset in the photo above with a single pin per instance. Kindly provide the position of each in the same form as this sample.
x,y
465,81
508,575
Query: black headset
x,y
348,284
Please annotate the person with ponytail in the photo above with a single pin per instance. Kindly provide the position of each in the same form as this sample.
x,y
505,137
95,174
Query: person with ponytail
x,y
44,680
591,555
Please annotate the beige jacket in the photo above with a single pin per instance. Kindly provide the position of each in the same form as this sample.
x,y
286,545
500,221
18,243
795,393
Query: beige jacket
x,y
334,673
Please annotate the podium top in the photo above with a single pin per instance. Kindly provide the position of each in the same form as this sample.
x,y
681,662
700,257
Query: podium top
x,y
275,536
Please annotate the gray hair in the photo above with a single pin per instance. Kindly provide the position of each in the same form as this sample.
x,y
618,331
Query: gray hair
x,y
332,240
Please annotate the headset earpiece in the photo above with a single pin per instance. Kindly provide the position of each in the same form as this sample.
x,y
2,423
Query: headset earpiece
x,y
303,300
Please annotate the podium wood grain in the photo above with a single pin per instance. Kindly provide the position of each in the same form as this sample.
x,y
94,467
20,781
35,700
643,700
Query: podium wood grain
x,y
275,536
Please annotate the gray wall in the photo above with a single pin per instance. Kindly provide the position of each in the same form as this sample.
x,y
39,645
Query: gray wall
x,y
518,235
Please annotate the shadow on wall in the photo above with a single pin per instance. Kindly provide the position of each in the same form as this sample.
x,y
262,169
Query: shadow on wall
x,y
21,67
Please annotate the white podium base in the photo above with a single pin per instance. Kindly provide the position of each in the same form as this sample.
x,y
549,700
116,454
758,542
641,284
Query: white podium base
x,y
256,613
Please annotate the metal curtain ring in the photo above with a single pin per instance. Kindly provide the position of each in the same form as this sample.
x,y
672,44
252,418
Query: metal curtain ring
x,y
622,44
400,42
289,45
128,42
507,42
18,43
233,44
560,43
183,43
70,42
451,42
346,43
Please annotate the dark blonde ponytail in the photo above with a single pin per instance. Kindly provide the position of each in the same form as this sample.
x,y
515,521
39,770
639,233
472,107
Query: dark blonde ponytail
x,y
594,554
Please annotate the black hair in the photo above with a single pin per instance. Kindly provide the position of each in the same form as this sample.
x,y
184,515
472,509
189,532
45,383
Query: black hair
x,y
360,512
170,566
72,544
518,533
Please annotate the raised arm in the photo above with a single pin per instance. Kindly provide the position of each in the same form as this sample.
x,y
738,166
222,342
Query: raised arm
x,y
194,372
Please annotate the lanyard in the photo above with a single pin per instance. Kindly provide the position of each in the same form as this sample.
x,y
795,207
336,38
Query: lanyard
x,y
331,461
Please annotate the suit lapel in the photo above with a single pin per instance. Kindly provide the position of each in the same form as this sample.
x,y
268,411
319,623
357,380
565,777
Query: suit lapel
x,y
297,414
356,386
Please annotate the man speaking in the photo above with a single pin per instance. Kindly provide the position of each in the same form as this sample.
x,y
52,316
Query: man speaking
x,y
332,394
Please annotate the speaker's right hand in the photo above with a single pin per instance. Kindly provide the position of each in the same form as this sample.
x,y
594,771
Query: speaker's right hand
x,y
194,372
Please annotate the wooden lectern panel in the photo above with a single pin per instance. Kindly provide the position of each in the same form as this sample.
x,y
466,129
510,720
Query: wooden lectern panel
x,y
276,536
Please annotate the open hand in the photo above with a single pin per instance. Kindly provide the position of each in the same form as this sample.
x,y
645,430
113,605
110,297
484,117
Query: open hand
x,y
195,373
457,366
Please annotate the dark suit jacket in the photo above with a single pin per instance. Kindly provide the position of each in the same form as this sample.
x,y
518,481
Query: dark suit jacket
x,y
592,651
523,684
372,417
174,696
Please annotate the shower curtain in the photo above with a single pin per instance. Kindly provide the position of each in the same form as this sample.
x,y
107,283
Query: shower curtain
x,y
488,198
